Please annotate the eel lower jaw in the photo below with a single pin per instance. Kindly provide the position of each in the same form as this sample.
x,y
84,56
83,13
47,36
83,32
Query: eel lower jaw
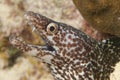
x,y
32,49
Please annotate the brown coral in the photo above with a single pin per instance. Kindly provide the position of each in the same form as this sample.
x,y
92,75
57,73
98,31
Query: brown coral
x,y
103,15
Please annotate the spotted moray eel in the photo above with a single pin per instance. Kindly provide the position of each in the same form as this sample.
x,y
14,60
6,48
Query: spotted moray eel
x,y
69,53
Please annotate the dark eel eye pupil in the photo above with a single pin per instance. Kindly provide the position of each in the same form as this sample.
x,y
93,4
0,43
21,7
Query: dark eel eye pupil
x,y
52,28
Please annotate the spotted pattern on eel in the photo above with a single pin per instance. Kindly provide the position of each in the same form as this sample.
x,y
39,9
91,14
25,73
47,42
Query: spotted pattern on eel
x,y
69,53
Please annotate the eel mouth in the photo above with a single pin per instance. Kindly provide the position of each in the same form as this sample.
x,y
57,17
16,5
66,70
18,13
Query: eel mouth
x,y
46,41
26,45
37,23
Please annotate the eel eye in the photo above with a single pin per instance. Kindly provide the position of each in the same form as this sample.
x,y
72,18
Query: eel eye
x,y
52,28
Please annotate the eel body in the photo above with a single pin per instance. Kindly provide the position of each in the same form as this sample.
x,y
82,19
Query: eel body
x,y
69,53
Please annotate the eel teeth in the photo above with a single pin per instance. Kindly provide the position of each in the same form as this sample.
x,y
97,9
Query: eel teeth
x,y
33,29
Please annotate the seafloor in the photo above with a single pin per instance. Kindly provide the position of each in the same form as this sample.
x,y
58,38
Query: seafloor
x,y
15,65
